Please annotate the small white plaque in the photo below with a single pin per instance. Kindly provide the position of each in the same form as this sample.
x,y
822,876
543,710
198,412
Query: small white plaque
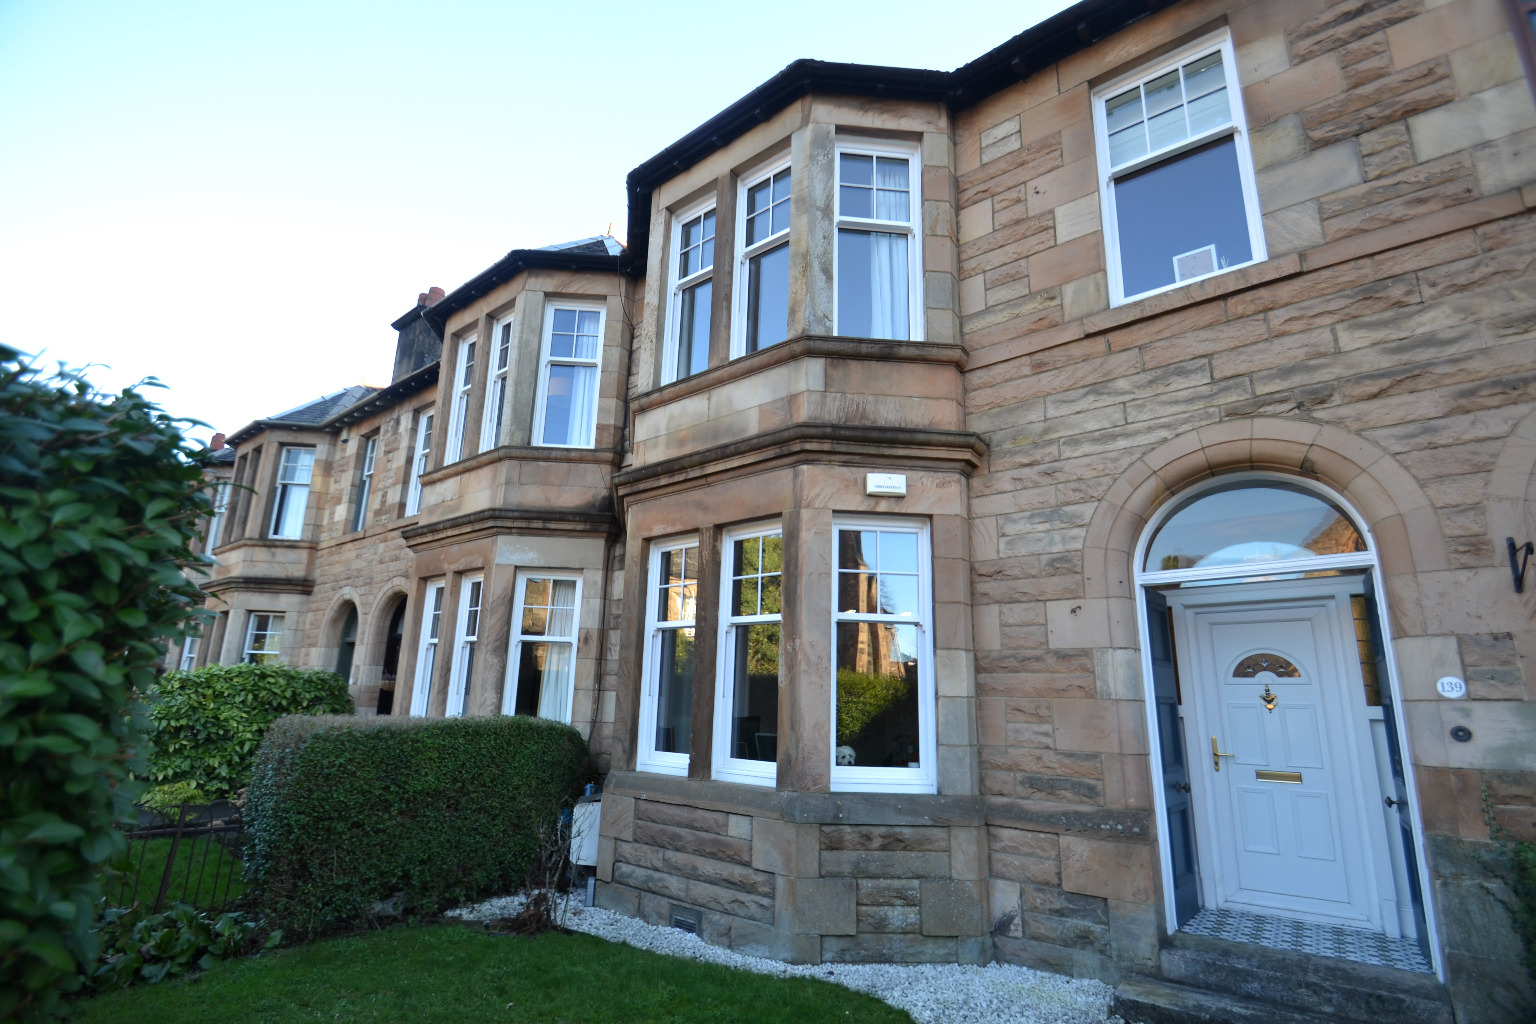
x,y
886,483
1450,686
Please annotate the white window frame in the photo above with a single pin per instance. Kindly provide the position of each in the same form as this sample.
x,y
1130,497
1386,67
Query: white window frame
x,y
677,285
427,646
647,757
745,253
728,767
514,650
466,640
288,492
273,628
912,153
879,779
1237,128
546,361
365,483
220,508
494,420
458,411
188,660
420,454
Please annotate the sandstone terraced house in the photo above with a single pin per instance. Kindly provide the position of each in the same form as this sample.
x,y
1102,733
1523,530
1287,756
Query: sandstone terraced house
x,y
1069,510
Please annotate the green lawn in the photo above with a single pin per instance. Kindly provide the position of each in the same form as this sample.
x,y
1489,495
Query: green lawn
x,y
453,975
206,875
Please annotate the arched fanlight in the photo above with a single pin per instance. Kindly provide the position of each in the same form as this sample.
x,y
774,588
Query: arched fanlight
x,y
1250,523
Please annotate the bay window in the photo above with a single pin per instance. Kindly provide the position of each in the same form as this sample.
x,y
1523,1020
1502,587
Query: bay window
x,y
496,393
882,645
220,508
365,483
763,270
466,639
263,639
1176,173
294,473
458,412
419,459
687,344
747,676
666,700
878,267
571,356
541,666
426,651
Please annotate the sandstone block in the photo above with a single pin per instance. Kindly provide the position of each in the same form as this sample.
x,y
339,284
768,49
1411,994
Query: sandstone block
x,y
889,919
952,907
887,949
1293,229
889,892
1322,171
1120,871
1503,110
818,906
784,848
883,837
884,864
618,817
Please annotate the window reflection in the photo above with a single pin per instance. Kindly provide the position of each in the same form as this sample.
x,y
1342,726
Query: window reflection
x,y
1247,524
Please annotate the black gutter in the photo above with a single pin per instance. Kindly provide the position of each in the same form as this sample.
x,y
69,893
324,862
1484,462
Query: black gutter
x,y
1032,50
506,268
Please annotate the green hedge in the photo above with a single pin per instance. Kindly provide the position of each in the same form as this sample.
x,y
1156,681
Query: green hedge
x,y
100,499
345,812
207,724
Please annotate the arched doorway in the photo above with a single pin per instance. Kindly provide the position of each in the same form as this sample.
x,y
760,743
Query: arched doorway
x,y
346,644
391,667
1284,788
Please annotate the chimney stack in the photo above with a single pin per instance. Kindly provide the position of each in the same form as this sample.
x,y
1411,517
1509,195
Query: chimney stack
x,y
216,442
431,297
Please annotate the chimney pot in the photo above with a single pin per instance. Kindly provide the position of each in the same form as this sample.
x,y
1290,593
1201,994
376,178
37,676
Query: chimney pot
x,y
432,296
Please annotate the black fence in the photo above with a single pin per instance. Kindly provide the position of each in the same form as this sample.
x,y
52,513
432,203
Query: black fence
x,y
190,856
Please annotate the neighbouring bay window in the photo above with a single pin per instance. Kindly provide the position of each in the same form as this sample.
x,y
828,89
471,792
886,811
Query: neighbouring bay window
x,y
1176,173
878,263
747,677
419,459
294,472
466,639
216,521
693,289
496,394
566,406
458,412
882,645
263,638
541,666
763,271
426,652
365,482
666,702
188,654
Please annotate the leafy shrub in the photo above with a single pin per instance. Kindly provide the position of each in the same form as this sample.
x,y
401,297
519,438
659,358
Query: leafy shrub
x,y
208,723
167,799
145,947
863,697
346,812
1523,882
100,499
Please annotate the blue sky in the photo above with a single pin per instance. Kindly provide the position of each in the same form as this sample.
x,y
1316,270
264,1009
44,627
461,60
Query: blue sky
x,y
238,197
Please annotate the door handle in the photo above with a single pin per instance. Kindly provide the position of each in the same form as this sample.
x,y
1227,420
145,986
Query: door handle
x,y
1181,787
1216,754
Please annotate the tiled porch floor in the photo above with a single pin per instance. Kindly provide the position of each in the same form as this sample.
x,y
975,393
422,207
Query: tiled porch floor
x,y
1305,937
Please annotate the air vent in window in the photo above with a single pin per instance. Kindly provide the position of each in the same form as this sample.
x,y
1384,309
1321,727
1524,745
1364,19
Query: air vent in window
x,y
1195,263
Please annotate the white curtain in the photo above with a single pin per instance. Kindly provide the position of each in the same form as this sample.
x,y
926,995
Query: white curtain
x,y
555,687
562,609
583,405
888,285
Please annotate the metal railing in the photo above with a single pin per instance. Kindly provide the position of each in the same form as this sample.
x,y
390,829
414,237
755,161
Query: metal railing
x,y
192,856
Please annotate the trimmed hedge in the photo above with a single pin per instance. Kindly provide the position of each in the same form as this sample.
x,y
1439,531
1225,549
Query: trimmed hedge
x,y
345,812
208,723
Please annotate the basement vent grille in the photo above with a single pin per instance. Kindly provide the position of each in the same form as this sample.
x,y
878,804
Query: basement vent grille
x,y
686,920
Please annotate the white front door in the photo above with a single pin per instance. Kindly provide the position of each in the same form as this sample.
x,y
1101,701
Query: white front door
x,y
1287,795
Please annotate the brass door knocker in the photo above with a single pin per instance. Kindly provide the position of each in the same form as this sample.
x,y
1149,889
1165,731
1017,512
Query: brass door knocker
x,y
1269,699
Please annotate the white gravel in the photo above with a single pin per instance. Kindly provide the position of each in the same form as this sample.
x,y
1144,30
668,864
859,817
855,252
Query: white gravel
x,y
931,993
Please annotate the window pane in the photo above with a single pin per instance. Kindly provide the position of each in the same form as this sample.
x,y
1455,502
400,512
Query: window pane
x,y
1209,111
569,405
872,279
674,690
898,552
773,553
856,593
754,726
1192,200
877,695
544,676
768,299
856,169
693,330
857,549
855,202
772,596
1166,128
672,566
292,502
537,592
744,596
1163,93
1123,111
898,595
1246,524
1127,145
565,321
1203,76
535,621
891,181
298,466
